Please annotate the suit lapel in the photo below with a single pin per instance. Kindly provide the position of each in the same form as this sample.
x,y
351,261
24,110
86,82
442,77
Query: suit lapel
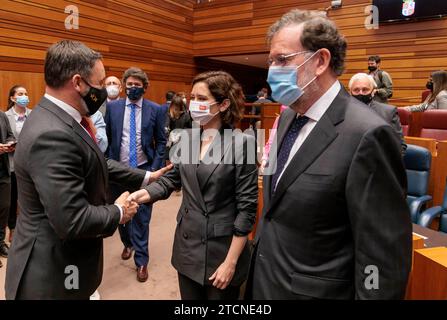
x,y
12,122
119,116
318,140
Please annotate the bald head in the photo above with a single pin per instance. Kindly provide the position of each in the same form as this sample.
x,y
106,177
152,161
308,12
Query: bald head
x,y
113,86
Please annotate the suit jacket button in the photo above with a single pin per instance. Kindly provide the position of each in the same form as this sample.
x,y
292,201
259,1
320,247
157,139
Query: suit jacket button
x,y
185,235
206,214
203,240
186,210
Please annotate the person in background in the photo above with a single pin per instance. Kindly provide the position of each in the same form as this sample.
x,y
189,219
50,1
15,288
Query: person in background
x,y
169,95
438,98
7,145
114,88
100,131
178,118
272,135
218,209
137,138
183,95
256,109
382,78
17,114
428,88
362,87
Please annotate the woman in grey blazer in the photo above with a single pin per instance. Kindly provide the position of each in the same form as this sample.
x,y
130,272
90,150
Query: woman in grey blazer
x,y
17,113
219,183
438,98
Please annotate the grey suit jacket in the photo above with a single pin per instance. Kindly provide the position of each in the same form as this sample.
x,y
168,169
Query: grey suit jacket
x,y
62,178
339,211
390,115
219,200
12,122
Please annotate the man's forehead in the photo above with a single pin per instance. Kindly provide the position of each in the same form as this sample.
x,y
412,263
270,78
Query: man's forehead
x,y
287,37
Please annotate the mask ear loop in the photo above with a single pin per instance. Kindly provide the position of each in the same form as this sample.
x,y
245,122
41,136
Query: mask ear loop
x,y
313,79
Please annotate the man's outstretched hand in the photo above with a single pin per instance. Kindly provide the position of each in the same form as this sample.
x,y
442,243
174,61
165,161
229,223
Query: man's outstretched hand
x,y
129,207
157,174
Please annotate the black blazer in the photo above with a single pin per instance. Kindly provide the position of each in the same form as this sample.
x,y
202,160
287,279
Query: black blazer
x,y
218,201
6,135
62,179
338,208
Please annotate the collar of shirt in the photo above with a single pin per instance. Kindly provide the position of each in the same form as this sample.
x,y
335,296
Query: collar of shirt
x,y
316,111
75,114
17,116
139,103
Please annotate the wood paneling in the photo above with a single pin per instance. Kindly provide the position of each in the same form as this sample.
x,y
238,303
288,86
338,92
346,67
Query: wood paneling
x,y
154,35
410,51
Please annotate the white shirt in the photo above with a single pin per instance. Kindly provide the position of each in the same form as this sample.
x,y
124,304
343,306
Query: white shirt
x,y
75,114
19,124
314,113
125,138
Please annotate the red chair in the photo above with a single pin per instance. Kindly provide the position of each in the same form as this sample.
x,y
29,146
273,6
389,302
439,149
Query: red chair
x,y
434,124
405,120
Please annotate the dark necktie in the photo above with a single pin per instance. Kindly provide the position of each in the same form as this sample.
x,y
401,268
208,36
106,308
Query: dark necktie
x,y
286,147
133,160
87,125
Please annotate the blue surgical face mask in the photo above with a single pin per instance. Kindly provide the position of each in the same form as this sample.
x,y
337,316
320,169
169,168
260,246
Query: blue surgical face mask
x,y
134,93
284,83
22,101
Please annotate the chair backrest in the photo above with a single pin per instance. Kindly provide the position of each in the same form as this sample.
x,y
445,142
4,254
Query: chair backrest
x,y
434,124
417,164
405,120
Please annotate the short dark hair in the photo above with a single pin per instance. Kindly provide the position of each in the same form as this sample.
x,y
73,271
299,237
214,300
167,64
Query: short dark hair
x,y
66,58
318,32
169,95
223,86
375,58
261,94
136,73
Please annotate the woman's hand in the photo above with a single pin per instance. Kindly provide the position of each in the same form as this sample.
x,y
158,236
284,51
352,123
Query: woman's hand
x,y
157,174
140,196
223,275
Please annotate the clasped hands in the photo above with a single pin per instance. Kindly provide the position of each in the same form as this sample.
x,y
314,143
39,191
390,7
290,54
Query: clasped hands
x,y
130,202
7,147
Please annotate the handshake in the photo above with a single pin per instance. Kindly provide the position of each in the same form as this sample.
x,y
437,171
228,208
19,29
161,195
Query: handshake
x,y
129,203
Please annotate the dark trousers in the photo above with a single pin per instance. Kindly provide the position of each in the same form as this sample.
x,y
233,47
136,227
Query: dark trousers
x,y
5,198
191,290
12,219
135,233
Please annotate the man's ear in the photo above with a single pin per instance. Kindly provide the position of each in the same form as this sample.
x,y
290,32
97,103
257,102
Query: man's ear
x,y
324,61
76,82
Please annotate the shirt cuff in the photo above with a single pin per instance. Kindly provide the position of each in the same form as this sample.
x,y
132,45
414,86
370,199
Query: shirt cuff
x,y
146,179
121,212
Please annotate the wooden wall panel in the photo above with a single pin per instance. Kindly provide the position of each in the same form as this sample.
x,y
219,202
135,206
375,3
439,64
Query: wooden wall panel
x,y
154,35
410,51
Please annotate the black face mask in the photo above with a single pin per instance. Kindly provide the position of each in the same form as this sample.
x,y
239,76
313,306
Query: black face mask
x,y
134,93
429,85
365,98
94,98
372,68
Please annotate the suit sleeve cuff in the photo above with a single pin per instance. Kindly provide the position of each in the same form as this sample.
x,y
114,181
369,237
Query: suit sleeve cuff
x,y
146,179
121,212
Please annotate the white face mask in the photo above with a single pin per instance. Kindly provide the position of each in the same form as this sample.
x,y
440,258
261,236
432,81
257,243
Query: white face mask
x,y
200,111
113,92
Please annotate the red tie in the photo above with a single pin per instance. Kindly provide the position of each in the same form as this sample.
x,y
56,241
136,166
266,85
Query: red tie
x,y
86,123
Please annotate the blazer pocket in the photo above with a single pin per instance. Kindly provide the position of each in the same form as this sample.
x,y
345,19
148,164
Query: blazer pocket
x,y
322,288
325,179
223,229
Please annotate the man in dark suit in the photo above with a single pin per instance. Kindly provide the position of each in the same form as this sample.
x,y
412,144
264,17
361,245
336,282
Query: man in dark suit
x,y
137,138
363,87
6,146
57,252
335,223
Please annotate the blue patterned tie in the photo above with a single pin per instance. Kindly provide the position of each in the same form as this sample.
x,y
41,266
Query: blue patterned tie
x,y
133,162
286,147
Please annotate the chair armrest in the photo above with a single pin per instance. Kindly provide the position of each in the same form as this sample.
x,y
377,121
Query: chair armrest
x,y
426,217
416,205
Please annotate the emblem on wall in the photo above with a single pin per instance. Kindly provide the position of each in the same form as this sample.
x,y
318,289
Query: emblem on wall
x,y
408,7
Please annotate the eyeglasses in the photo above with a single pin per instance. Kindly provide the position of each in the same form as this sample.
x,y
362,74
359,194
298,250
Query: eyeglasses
x,y
282,59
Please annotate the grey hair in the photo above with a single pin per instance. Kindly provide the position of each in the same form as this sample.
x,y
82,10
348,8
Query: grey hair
x,y
318,32
361,75
66,58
